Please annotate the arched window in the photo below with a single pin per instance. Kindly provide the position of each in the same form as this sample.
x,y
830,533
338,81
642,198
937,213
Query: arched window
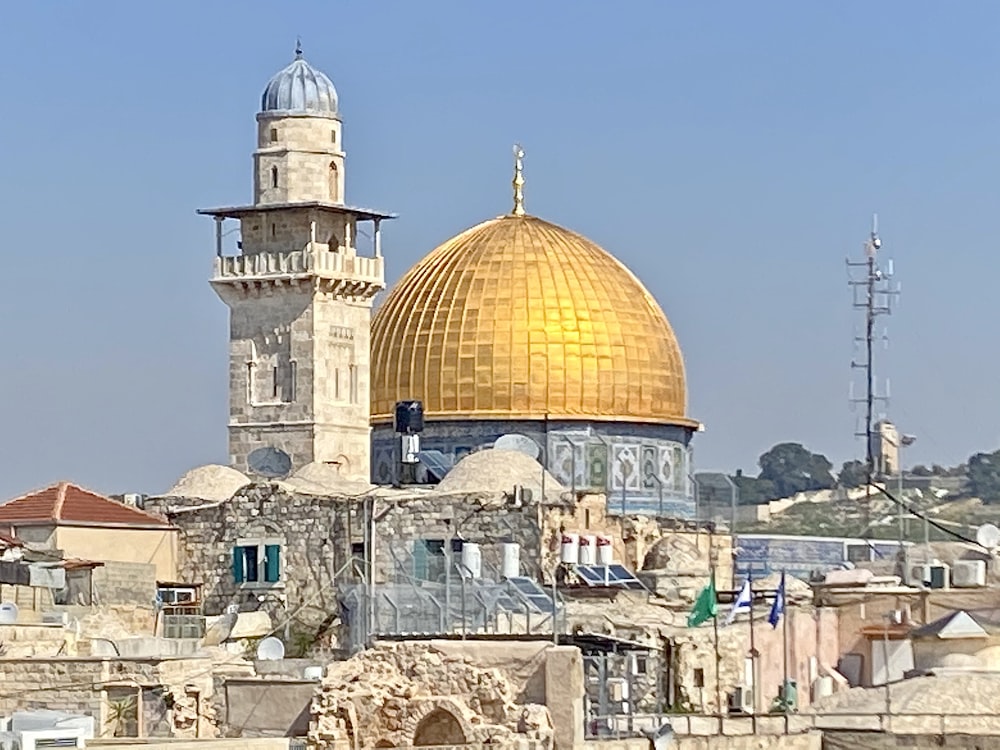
x,y
334,183
274,177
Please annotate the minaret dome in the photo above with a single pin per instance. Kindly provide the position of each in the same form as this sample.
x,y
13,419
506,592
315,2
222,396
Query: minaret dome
x,y
300,89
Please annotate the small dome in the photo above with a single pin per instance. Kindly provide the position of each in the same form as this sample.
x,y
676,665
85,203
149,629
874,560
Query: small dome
x,y
300,88
493,470
212,482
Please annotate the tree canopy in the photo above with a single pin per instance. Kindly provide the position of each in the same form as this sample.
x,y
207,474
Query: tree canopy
x,y
853,474
984,476
792,468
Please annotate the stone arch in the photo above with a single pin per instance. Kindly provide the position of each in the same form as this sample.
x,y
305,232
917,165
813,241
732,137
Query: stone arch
x,y
440,721
439,727
383,743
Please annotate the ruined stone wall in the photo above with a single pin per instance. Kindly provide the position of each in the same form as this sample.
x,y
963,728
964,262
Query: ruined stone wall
x,y
414,693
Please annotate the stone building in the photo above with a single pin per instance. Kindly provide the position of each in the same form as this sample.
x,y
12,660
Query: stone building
x,y
519,327
72,522
516,328
302,550
299,290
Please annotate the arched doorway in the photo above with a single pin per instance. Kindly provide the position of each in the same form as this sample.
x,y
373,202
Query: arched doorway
x,y
439,727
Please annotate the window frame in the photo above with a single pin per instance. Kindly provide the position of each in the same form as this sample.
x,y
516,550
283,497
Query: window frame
x,y
266,566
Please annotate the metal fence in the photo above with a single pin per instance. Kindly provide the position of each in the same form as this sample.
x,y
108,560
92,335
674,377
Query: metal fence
x,y
441,596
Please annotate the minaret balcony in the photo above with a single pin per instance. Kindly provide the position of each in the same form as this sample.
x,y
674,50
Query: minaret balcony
x,y
315,262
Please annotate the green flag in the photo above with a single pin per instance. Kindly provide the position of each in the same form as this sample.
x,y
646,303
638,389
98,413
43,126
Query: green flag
x,y
705,606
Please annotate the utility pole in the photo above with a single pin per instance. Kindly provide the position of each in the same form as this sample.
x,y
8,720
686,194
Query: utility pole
x,y
872,294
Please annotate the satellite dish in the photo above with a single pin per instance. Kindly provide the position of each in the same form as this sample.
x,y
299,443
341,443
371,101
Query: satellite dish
x,y
270,462
270,649
520,443
988,536
8,613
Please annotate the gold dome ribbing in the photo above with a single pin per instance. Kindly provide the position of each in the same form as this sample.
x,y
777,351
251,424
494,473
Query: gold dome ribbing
x,y
517,318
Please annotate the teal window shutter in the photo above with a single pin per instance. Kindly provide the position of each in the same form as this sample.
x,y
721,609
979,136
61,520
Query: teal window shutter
x,y
272,563
238,565
420,560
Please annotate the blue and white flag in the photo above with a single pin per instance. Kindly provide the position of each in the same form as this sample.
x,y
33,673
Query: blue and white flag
x,y
778,608
743,602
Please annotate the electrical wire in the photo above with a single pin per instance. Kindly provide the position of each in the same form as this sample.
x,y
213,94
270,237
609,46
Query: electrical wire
x,y
940,527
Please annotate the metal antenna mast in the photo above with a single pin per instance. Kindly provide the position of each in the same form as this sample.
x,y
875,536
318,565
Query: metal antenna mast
x,y
873,293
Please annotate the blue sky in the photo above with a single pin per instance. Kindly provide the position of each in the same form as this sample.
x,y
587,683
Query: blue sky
x,y
730,153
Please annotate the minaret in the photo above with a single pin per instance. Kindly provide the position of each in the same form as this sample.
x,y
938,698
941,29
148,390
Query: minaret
x,y
299,293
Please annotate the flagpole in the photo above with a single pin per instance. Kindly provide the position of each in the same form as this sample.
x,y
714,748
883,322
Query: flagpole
x,y
718,678
753,660
784,649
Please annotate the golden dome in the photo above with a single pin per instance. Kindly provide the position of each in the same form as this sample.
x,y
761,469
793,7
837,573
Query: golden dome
x,y
517,318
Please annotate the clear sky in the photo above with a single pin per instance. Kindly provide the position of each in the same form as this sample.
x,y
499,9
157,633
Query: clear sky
x,y
730,153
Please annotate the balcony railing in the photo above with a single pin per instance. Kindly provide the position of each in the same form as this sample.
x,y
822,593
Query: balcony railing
x,y
311,261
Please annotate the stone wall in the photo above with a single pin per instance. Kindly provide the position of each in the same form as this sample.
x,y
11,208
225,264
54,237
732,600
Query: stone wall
x,y
89,685
269,708
20,641
124,583
322,553
318,537
812,651
880,741
415,693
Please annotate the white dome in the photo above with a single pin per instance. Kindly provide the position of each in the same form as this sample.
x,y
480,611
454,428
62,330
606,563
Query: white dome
x,y
213,482
494,470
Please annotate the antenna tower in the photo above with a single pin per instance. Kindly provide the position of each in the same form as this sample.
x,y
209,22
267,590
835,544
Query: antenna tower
x,y
873,293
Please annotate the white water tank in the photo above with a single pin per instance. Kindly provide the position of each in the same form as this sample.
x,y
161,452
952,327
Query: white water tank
x,y
588,549
510,560
570,551
605,550
472,560
822,687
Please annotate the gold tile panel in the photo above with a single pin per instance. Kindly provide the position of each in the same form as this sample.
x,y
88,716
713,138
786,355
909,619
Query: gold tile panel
x,y
517,318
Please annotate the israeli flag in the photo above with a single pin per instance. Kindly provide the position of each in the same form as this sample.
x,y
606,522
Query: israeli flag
x,y
742,603
778,608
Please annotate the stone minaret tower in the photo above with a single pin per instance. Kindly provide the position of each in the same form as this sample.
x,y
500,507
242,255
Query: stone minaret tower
x,y
298,292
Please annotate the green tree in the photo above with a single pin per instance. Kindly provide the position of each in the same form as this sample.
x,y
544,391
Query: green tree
x,y
793,469
984,476
753,490
853,474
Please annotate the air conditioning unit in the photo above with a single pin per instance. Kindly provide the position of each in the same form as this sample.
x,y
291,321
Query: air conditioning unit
x,y
134,499
933,575
741,701
55,618
968,574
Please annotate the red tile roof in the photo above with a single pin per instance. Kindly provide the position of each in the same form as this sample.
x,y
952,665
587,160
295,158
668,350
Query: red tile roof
x,y
69,505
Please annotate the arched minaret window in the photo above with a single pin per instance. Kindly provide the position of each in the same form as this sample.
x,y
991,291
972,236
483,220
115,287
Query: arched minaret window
x,y
334,183
274,177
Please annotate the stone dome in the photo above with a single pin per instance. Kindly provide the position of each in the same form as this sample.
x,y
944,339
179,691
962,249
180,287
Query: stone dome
x,y
211,482
518,318
491,470
300,89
